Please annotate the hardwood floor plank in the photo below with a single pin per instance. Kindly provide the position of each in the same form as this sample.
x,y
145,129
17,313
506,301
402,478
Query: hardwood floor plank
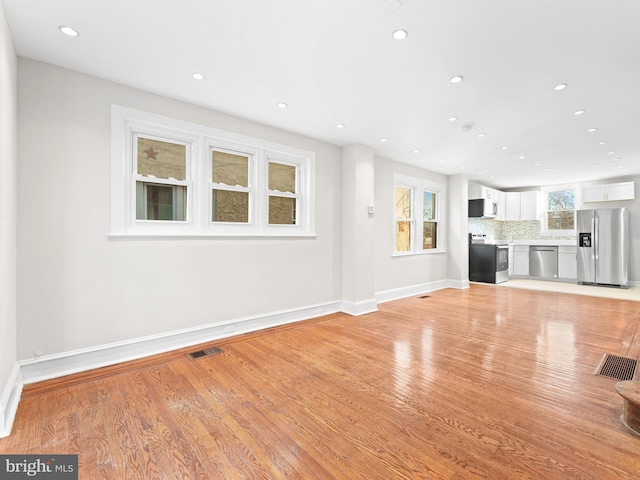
x,y
486,382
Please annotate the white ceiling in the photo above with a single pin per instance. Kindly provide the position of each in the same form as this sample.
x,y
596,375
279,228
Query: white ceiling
x,y
335,62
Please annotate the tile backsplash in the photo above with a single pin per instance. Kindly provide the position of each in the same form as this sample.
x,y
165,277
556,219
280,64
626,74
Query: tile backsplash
x,y
512,230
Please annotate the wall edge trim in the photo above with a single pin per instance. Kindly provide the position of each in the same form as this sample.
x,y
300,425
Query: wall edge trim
x,y
67,363
10,400
419,289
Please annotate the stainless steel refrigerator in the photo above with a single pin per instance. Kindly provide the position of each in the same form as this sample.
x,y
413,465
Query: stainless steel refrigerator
x,y
603,247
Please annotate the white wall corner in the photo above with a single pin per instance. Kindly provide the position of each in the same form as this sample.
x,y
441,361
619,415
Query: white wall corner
x,y
67,363
9,401
459,284
359,308
422,288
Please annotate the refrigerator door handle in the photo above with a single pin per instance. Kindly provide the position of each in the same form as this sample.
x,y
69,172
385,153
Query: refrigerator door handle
x,y
596,245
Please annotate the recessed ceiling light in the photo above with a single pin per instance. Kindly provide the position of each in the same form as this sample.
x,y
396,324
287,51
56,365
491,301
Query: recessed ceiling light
x,y
560,86
461,167
479,173
282,105
482,135
536,164
400,34
340,125
383,140
197,76
545,169
578,112
591,130
620,166
416,151
453,119
505,147
456,79
610,153
602,143
521,157
72,32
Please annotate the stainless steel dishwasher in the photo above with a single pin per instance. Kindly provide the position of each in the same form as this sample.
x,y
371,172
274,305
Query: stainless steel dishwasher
x,y
543,262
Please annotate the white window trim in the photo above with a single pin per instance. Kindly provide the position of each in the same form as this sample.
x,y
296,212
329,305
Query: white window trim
x,y
419,186
126,122
544,226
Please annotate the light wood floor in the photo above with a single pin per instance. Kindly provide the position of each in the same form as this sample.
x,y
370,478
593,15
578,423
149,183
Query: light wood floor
x,y
488,382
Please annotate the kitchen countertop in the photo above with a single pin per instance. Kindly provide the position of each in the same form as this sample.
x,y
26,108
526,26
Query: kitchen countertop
x,y
570,243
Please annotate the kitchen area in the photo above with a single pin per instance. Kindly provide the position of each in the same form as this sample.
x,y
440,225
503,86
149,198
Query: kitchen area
x,y
517,235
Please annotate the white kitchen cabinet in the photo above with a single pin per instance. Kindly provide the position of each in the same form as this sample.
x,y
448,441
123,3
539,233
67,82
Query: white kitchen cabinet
x,y
480,191
567,263
521,260
501,206
529,205
521,205
609,192
510,260
512,206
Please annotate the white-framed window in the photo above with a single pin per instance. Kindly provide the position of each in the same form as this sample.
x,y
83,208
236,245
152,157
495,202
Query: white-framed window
x,y
559,205
174,178
161,177
418,216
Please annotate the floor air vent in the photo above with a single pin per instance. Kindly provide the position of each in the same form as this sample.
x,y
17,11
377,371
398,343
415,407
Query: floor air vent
x,y
620,368
206,352
425,296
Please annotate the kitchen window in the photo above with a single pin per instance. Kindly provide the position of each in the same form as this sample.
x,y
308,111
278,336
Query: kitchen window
x,y
560,209
419,214
172,178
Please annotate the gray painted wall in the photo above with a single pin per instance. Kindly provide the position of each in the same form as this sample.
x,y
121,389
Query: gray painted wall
x,y
8,211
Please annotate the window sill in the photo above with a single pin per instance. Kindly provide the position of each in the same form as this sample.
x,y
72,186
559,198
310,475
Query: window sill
x,y
412,254
193,236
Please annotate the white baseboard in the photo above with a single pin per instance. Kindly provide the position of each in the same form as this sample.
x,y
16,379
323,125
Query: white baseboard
x,y
404,292
66,363
360,308
9,401
53,366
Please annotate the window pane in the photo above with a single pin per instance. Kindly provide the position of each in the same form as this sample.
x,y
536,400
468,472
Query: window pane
x,y
161,159
282,177
160,202
282,211
403,236
560,220
429,235
230,206
561,200
429,206
230,169
403,202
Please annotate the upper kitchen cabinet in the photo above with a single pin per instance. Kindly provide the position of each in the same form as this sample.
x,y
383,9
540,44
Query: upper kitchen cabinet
x,y
521,205
608,193
529,205
512,205
478,191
